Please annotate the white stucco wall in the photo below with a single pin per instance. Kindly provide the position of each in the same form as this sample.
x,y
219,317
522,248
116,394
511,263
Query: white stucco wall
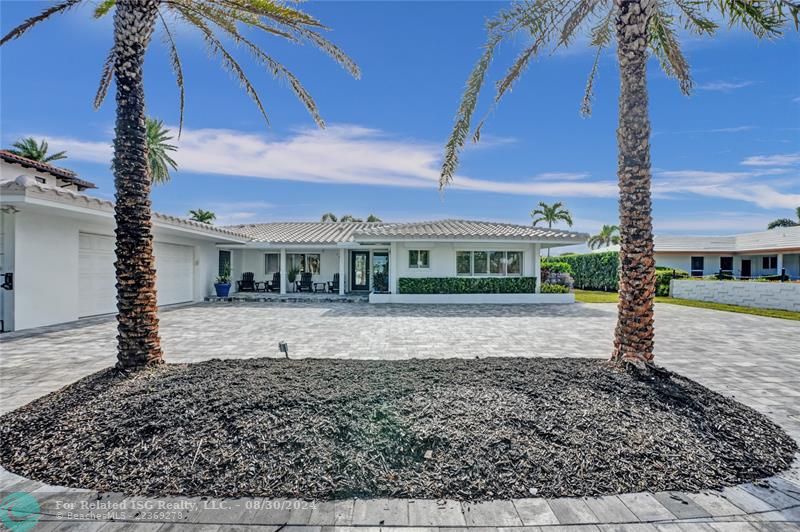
x,y
253,260
9,172
711,263
785,296
443,257
46,264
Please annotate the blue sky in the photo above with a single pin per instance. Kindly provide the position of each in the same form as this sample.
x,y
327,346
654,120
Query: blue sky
x,y
726,159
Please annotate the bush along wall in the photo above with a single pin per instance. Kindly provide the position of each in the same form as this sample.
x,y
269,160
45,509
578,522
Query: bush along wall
x,y
591,271
664,276
467,285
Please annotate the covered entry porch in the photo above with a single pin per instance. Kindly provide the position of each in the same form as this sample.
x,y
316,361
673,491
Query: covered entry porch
x,y
311,272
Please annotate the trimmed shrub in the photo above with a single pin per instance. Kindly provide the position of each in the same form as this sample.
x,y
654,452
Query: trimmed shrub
x,y
663,277
552,288
591,271
556,267
467,285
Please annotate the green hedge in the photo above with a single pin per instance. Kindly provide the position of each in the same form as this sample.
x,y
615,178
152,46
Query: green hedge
x,y
591,271
467,285
552,288
599,271
555,266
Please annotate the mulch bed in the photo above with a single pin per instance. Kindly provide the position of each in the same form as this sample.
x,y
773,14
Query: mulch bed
x,y
323,429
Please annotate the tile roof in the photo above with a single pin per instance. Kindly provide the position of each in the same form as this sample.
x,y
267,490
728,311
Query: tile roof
x,y
301,232
468,229
27,185
337,232
61,173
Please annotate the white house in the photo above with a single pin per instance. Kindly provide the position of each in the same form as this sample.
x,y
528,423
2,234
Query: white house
x,y
57,253
744,256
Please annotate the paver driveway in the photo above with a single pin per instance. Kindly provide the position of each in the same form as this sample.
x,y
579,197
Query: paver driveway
x,y
753,357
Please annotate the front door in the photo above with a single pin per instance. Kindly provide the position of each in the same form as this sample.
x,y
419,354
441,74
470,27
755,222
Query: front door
x,y
359,269
746,268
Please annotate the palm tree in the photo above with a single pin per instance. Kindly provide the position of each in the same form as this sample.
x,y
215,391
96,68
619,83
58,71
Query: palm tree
x,y
372,218
785,222
607,236
158,162
205,217
328,217
134,22
551,214
30,149
639,26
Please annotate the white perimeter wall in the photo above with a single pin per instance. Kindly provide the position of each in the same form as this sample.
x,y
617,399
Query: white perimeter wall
x,y
785,296
46,249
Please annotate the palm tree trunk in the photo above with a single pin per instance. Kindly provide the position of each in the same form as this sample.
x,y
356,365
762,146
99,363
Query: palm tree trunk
x,y
549,226
633,341
138,341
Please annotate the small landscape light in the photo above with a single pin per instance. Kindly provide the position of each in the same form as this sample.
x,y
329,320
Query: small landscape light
x,y
283,347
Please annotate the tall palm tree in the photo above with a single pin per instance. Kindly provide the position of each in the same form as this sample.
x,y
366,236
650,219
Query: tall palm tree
x,y
158,162
134,24
552,214
372,218
785,222
205,217
607,236
639,26
328,217
30,149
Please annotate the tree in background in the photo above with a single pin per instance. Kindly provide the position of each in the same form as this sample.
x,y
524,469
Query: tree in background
x,y
349,218
30,149
328,217
205,217
134,22
607,236
158,162
551,214
372,218
785,222
640,26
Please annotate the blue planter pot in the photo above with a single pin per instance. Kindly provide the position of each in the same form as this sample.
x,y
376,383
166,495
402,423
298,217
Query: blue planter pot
x,y
222,289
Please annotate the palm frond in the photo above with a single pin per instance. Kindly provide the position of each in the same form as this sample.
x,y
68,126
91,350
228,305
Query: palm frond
x,y
582,11
105,79
228,62
333,51
177,69
666,48
41,17
601,36
272,10
763,19
103,8
693,18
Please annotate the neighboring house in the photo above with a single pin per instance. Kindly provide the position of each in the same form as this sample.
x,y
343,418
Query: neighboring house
x,y
57,252
745,256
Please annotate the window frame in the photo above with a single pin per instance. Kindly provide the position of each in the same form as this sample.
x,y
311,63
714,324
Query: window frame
x,y
267,271
769,260
726,270
693,270
487,256
419,265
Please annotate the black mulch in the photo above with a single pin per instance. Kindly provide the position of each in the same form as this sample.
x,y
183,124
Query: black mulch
x,y
464,429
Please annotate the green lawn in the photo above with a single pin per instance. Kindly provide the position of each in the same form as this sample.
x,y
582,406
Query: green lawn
x,y
591,296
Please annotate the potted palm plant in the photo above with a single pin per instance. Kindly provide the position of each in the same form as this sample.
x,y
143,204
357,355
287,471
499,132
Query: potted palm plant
x,y
223,282
292,276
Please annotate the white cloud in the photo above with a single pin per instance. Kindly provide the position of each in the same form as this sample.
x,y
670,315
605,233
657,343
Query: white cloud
x,y
737,129
724,86
784,159
355,155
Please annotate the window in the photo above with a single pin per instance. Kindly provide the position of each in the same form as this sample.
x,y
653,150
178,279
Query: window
x,y
418,258
224,263
769,263
463,262
488,262
272,263
41,180
304,262
726,264
697,266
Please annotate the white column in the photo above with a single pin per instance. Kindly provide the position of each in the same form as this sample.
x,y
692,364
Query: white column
x,y
393,268
780,263
537,266
283,271
342,268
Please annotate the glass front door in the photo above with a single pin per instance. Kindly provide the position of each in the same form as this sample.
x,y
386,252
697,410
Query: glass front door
x,y
380,271
359,261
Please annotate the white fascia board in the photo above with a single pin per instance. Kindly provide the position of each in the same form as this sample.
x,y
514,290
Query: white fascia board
x,y
479,241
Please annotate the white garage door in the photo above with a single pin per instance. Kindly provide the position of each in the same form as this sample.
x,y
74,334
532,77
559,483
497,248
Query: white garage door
x,y
96,283
175,273
96,289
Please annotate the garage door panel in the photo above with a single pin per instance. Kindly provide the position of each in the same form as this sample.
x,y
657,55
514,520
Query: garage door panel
x,y
97,279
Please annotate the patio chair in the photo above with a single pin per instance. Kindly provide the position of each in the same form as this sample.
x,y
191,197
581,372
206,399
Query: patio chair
x,y
333,286
305,284
275,284
247,284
